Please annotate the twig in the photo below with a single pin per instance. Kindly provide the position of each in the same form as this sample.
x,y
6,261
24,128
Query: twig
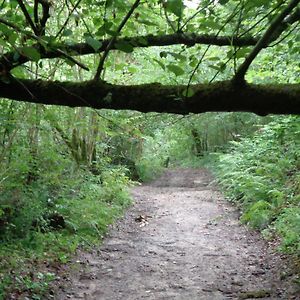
x,y
38,39
194,15
236,33
68,18
234,13
84,22
79,64
46,7
284,37
113,39
169,21
27,16
35,12
263,42
260,20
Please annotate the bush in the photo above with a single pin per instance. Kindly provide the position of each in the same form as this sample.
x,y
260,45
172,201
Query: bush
x,y
261,175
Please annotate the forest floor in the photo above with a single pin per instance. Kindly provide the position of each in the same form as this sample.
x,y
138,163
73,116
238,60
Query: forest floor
x,y
180,240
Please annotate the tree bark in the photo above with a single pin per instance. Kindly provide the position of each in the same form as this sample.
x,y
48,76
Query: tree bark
x,y
219,96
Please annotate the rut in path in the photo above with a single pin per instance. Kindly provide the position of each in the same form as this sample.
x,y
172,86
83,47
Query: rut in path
x,y
181,240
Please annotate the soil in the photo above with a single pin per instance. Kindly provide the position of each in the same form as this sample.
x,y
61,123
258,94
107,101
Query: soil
x,y
180,240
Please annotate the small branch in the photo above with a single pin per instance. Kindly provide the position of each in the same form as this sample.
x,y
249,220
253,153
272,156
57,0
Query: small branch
x,y
81,65
113,39
10,64
234,13
83,21
46,7
264,41
27,16
284,37
168,20
261,19
68,18
36,12
195,14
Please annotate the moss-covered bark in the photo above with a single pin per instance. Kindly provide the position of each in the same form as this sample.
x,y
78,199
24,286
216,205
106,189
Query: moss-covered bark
x,y
219,96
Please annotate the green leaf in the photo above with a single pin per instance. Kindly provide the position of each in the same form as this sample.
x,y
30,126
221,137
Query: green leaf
x,y
258,2
120,66
213,58
105,29
132,69
67,32
95,44
178,71
139,41
178,56
146,22
175,6
5,30
31,53
241,53
209,23
220,67
12,38
123,46
19,72
188,92
160,63
163,54
223,2
2,43
142,41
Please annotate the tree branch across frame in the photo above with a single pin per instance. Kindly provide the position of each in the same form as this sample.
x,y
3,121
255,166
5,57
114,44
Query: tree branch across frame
x,y
218,96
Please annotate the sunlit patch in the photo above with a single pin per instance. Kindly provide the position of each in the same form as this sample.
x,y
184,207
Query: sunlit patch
x,y
192,3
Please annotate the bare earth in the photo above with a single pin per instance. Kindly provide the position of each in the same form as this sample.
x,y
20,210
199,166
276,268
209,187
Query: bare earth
x,y
181,240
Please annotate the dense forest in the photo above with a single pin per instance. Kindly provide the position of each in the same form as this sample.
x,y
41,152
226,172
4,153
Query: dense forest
x,y
98,96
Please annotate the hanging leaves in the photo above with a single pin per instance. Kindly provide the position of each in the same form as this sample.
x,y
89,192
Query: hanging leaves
x,y
178,71
160,63
175,6
220,67
123,46
95,44
31,53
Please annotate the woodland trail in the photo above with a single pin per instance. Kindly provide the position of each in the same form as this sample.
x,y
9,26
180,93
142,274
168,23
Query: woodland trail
x,y
181,240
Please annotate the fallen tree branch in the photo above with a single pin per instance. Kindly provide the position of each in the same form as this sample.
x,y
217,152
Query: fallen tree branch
x,y
219,96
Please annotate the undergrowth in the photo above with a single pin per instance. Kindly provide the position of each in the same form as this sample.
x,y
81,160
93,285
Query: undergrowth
x,y
50,222
261,175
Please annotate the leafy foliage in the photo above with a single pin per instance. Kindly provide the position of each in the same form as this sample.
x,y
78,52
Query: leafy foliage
x,y
261,174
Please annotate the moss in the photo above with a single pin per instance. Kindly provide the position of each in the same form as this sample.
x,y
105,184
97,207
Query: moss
x,y
255,294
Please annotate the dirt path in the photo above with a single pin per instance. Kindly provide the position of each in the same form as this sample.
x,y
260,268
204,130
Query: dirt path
x,y
181,240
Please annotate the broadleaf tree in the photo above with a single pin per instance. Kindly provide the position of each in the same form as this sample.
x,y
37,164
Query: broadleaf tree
x,y
236,39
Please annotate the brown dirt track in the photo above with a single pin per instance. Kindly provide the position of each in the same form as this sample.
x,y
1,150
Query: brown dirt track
x,y
180,240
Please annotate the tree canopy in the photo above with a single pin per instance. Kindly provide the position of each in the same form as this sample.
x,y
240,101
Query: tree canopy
x,y
209,55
